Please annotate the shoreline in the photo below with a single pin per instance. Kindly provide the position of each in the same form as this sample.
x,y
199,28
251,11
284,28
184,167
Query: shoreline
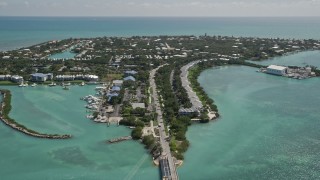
x,y
4,117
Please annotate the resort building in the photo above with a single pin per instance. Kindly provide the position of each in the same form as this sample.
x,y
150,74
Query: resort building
x,y
77,77
5,77
277,70
40,77
65,77
91,78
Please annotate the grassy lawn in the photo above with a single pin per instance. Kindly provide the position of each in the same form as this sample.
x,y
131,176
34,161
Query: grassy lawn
x,y
7,83
110,77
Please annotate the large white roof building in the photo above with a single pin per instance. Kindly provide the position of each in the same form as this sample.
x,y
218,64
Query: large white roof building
x,y
277,70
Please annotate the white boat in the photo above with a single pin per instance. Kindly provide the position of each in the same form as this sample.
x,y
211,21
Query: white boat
x,y
52,84
82,84
66,88
100,87
33,85
23,84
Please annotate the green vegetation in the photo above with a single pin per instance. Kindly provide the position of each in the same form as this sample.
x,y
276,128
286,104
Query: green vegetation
x,y
7,83
137,133
178,125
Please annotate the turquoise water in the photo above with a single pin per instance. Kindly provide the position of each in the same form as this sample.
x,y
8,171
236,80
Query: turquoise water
x,y
269,128
63,55
297,59
85,156
16,32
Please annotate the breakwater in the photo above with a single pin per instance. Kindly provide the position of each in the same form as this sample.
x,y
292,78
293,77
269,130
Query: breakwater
x,y
119,139
4,117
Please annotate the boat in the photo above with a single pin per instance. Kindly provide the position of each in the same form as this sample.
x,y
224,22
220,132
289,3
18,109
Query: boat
x,y
33,85
100,88
66,88
82,83
52,84
67,84
23,84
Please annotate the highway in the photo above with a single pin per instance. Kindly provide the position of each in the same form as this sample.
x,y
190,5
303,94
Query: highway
x,y
164,144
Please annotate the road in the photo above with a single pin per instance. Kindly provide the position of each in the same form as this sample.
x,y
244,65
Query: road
x,y
195,101
164,144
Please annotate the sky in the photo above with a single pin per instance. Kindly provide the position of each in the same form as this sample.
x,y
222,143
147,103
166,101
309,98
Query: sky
x,y
159,7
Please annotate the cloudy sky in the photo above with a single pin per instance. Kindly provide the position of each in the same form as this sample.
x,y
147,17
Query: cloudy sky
x,y
159,7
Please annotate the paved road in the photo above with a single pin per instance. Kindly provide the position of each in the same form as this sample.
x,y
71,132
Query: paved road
x,y
195,101
164,144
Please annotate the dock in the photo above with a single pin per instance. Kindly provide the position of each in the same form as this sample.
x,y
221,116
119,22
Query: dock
x,y
119,139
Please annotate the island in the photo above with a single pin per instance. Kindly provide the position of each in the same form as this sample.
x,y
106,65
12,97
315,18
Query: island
x,y
147,83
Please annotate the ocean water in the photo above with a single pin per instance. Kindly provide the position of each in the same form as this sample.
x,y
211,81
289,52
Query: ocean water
x,y
17,32
85,156
301,59
269,128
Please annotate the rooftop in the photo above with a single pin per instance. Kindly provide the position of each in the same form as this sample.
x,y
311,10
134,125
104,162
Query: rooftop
x,y
280,68
138,105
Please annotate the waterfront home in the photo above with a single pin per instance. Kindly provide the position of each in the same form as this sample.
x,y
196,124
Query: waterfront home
x,y
16,79
188,111
5,77
129,78
40,77
117,82
277,70
91,78
65,77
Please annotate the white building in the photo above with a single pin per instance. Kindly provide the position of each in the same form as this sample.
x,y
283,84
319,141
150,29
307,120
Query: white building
x,y
16,78
277,70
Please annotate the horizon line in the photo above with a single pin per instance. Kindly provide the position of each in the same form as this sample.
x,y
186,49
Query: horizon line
x,y
75,16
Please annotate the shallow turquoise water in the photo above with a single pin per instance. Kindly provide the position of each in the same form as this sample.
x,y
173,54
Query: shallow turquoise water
x,y
269,128
63,55
298,59
85,156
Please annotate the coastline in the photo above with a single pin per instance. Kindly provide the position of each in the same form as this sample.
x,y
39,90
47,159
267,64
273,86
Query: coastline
x,y
4,117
